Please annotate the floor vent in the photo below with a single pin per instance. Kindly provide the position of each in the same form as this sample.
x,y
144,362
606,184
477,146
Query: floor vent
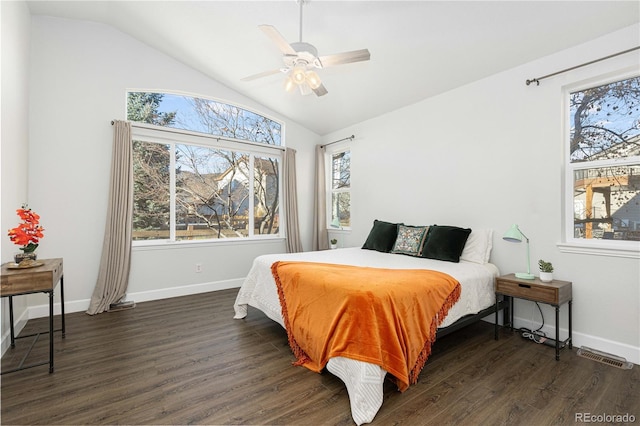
x,y
604,358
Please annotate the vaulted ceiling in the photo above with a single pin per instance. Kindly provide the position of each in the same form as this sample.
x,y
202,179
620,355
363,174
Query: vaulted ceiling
x,y
418,48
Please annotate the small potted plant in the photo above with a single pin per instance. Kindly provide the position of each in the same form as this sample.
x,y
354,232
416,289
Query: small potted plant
x,y
334,243
546,271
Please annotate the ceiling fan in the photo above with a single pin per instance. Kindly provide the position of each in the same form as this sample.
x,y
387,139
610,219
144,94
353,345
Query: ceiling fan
x,y
300,60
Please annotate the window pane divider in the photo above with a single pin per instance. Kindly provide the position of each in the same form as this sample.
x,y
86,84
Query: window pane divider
x,y
172,192
179,136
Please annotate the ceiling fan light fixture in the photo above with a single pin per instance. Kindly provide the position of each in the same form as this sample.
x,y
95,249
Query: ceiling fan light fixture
x,y
288,83
313,79
301,58
298,74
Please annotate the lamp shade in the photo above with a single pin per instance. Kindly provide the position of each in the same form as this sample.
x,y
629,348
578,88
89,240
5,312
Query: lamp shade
x,y
313,79
513,235
288,83
298,74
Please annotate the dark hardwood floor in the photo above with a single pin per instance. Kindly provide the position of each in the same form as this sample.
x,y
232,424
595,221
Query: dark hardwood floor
x,y
186,361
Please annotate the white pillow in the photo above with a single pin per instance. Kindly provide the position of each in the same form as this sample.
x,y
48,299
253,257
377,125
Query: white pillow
x,y
478,246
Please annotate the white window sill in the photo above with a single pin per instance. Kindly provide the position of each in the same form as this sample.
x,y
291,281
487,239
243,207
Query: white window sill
x,y
339,230
172,245
628,249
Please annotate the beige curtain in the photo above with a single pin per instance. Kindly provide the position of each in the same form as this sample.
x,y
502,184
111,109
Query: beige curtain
x,y
291,202
320,236
113,276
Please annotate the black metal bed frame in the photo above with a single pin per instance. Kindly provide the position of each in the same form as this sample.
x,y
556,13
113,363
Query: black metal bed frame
x,y
466,320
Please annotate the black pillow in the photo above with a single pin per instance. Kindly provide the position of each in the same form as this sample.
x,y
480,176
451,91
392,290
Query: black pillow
x,y
445,243
382,236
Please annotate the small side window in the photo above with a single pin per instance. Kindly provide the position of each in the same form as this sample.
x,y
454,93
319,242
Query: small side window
x,y
339,186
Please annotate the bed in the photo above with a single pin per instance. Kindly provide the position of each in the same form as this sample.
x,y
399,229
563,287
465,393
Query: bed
x,y
364,381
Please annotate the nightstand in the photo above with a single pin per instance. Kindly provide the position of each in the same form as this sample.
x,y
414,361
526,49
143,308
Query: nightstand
x,y
555,293
40,279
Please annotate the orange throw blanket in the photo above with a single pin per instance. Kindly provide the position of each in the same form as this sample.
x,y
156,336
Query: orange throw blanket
x,y
386,317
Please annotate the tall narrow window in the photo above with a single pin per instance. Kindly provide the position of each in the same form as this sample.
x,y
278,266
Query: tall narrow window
x,y
604,162
340,190
193,184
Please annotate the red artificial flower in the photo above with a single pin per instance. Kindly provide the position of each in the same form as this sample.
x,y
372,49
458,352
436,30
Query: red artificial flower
x,y
28,233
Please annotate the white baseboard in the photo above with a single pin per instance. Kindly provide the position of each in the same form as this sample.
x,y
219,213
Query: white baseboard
x,y
630,353
40,311
142,296
166,293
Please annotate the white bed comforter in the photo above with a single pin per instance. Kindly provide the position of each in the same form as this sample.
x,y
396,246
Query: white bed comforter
x,y
364,381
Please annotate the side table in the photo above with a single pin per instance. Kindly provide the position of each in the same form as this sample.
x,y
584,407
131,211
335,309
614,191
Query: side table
x,y
39,279
554,293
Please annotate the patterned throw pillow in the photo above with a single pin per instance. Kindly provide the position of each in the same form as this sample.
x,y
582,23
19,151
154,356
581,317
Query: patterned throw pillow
x,y
410,240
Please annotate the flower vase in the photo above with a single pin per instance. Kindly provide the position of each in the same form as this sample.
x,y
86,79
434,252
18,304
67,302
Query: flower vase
x,y
21,256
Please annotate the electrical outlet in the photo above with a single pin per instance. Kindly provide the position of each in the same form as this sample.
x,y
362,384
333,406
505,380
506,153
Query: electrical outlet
x,y
198,267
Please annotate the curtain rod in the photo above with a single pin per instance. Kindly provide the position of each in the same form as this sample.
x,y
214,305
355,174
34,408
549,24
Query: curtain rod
x,y
537,80
339,140
201,135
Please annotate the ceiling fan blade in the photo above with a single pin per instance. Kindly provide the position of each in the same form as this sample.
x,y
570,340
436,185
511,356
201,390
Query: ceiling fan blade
x,y
345,58
320,90
262,74
277,38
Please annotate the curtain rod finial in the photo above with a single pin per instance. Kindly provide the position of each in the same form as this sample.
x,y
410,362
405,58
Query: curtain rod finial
x,y
533,80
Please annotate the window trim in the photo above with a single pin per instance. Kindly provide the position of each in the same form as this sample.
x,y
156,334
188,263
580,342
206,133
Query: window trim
x,y
568,243
150,133
329,153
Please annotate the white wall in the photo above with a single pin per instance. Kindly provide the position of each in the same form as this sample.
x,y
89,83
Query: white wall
x,y
16,24
80,72
453,165
487,155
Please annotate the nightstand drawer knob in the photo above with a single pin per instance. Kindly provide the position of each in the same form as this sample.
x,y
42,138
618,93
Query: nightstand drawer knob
x,y
524,285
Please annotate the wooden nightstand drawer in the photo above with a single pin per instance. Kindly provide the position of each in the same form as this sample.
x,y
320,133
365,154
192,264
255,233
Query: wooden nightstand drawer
x,y
554,293
527,291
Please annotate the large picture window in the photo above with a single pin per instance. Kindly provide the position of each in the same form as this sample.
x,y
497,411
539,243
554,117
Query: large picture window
x,y
203,170
603,162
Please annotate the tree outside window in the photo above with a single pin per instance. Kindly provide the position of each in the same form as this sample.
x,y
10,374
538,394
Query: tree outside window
x,y
604,160
340,190
195,188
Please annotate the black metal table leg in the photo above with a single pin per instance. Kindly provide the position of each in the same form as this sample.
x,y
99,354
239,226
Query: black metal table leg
x,y
570,328
62,304
495,328
51,331
557,333
511,312
13,333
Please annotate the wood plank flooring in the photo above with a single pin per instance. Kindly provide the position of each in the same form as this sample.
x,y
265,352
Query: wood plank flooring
x,y
186,361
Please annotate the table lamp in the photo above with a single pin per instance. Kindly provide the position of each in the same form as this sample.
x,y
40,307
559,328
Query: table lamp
x,y
515,235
